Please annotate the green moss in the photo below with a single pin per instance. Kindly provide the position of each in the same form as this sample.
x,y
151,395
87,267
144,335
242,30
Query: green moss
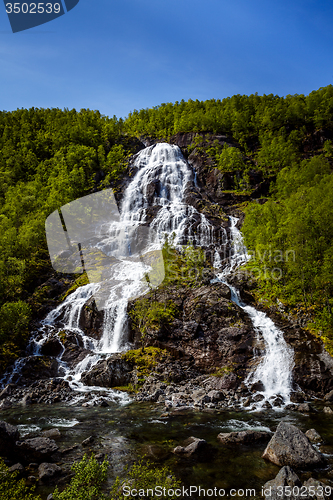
x,y
145,361
222,371
80,281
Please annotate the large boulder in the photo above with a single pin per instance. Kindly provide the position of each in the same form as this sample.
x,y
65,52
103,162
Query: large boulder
x,y
113,372
289,446
91,319
278,488
47,471
52,347
36,449
244,437
9,434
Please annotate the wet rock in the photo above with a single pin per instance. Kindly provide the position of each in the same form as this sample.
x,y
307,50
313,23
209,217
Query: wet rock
x,y
276,488
17,468
227,381
244,437
5,404
88,441
9,434
319,489
328,410
304,408
52,347
196,445
27,400
297,397
313,436
7,391
278,401
70,449
103,403
37,448
289,446
52,434
91,319
47,471
216,396
257,387
327,397
112,372
38,367
258,398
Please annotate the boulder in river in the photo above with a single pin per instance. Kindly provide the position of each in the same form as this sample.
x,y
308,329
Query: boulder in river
x,y
37,449
243,437
289,446
195,446
313,436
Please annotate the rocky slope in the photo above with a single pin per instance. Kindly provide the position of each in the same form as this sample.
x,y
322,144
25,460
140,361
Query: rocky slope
x,y
209,338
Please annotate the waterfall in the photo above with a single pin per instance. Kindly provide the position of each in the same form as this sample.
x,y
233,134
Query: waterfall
x,y
273,371
163,176
154,205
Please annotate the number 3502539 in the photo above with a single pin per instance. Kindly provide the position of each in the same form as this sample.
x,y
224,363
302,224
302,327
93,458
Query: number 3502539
x,y
33,8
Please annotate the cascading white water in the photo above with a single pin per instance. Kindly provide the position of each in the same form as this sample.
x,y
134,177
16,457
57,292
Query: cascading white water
x,y
275,368
162,180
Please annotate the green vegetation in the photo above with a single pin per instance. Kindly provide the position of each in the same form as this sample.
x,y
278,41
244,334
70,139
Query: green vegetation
x,y
245,118
13,489
80,281
145,361
183,268
143,476
49,157
89,482
148,314
290,238
220,372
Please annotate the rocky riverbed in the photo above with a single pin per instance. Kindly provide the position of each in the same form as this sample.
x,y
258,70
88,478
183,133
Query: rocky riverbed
x,y
211,448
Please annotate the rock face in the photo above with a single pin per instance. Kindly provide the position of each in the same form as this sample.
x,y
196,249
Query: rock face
x,y
38,367
209,332
313,369
9,434
36,449
91,319
243,437
113,372
289,446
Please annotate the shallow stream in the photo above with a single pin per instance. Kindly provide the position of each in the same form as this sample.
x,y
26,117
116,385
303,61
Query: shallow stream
x,y
128,432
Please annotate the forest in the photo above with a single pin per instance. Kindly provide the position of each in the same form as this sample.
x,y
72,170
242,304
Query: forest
x,y
49,157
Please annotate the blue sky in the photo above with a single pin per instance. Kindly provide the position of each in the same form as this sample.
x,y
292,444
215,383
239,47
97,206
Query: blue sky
x,y
120,55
